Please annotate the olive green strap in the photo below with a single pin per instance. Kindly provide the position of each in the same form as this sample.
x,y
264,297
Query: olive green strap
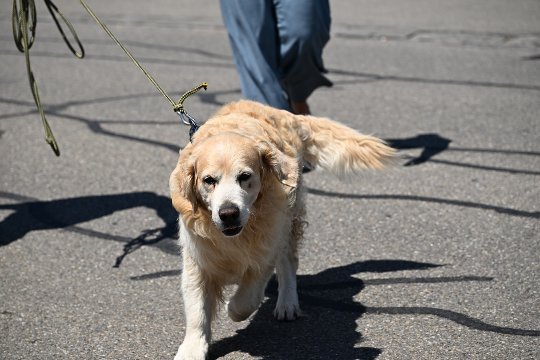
x,y
24,24
52,10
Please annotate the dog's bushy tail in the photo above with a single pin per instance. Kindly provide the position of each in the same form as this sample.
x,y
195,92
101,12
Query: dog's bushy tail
x,y
340,149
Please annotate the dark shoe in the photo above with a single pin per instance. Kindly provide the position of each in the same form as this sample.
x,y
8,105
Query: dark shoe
x,y
300,108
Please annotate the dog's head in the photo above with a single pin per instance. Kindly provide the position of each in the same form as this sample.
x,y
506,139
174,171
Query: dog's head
x,y
224,174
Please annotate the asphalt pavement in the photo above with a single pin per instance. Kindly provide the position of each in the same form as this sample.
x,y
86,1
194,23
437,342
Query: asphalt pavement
x,y
435,259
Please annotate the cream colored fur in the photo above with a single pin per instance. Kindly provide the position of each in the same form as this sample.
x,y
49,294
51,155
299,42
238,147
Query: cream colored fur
x,y
238,189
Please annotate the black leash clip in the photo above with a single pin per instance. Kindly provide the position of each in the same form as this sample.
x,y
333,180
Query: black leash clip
x,y
184,116
188,120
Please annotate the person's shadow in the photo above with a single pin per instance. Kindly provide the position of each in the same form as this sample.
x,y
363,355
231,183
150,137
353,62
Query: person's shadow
x,y
431,145
69,213
328,328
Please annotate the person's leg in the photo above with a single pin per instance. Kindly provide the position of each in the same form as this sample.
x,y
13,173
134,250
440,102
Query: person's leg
x,y
304,30
251,25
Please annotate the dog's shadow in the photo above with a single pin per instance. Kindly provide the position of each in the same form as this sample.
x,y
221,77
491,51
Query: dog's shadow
x,y
328,329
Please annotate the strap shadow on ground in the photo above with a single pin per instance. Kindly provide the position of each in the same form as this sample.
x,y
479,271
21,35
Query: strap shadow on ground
x,y
32,214
430,144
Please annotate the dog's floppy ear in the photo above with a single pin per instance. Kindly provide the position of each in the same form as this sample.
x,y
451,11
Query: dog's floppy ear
x,y
182,183
284,167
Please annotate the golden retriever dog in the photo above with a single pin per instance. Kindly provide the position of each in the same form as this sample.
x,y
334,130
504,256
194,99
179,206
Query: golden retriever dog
x,y
238,189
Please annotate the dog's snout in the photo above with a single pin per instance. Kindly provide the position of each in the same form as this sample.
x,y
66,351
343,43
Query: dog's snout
x,y
229,213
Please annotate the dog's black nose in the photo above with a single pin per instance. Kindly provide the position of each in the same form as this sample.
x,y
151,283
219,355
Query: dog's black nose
x,y
229,213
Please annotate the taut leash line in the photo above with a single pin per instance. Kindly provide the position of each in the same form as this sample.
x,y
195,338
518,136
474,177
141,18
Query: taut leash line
x,y
178,106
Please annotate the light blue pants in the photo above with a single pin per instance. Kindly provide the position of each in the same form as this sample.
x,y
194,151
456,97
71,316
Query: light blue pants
x,y
277,47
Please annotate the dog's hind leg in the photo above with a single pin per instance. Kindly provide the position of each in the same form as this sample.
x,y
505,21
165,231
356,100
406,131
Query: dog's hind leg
x,y
249,295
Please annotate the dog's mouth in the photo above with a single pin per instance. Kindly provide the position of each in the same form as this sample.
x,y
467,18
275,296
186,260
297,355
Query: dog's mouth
x,y
232,231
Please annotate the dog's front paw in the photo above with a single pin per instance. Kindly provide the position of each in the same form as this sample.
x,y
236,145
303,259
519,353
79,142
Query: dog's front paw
x,y
245,302
238,314
287,311
239,311
192,349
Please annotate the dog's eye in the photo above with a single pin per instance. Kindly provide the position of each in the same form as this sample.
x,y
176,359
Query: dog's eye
x,y
208,180
245,176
